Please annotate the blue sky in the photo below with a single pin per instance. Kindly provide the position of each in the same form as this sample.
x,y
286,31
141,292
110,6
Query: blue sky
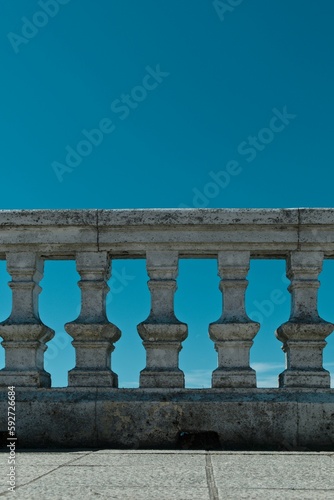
x,y
167,104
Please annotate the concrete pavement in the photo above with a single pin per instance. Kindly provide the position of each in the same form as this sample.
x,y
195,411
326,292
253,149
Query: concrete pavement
x,y
168,475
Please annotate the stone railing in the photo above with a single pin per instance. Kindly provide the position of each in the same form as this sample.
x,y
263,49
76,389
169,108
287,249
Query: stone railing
x,y
303,237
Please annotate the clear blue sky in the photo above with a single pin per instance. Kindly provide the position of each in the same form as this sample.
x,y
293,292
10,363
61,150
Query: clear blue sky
x,y
236,111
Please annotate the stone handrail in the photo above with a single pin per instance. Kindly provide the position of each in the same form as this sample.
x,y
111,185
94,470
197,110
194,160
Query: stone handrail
x,y
304,237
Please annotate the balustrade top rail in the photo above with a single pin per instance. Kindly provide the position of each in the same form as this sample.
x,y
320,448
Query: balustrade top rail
x,y
304,237
266,233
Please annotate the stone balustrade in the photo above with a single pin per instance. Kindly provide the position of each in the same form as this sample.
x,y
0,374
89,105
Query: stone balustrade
x,y
94,238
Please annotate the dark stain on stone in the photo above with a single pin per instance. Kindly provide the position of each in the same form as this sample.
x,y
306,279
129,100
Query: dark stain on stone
x,y
208,440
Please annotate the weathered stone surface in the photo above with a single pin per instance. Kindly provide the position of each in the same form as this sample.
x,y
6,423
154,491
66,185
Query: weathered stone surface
x,y
63,232
13,218
93,334
303,336
162,332
317,428
233,333
154,418
316,216
24,335
206,216
193,232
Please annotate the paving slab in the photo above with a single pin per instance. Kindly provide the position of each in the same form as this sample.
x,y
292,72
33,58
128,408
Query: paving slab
x,y
278,494
169,475
303,471
169,461
96,491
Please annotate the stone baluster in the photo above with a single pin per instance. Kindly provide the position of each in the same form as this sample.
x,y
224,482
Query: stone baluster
x,y
93,334
233,333
24,335
162,333
303,336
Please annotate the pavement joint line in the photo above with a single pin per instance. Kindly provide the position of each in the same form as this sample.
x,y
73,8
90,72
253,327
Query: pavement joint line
x,y
210,479
42,475
113,466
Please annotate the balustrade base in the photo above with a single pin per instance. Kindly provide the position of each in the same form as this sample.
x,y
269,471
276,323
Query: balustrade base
x,y
162,378
233,378
305,378
246,419
92,378
31,378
